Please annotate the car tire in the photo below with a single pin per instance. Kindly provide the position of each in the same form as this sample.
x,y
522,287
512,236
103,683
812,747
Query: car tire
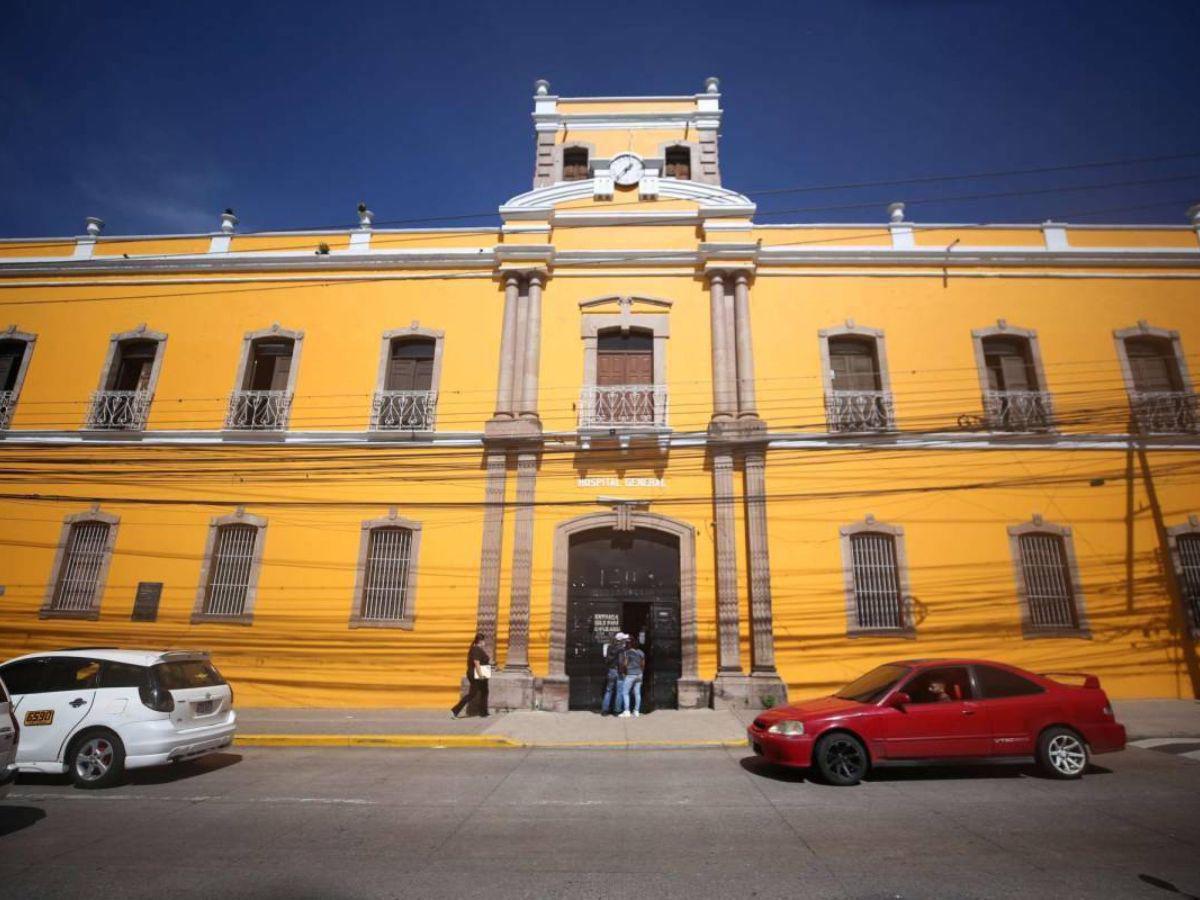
x,y
841,759
95,759
1062,753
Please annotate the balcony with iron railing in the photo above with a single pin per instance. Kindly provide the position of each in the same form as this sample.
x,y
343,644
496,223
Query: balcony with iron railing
x,y
258,410
1165,412
8,402
404,411
1018,410
857,411
118,410
623,408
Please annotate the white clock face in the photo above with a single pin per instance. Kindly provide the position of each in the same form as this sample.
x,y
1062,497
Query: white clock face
x,y
627,169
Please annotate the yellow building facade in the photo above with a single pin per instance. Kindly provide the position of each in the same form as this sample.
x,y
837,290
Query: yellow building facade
x,y
777,454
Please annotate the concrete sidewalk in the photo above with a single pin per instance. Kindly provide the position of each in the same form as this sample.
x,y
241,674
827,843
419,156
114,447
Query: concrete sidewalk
x,y
666,728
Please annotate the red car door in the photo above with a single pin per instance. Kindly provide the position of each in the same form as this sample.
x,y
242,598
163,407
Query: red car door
x,y
1016,709
942,721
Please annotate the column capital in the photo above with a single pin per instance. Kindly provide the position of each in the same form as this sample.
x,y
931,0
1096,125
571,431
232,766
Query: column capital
x,y
538,277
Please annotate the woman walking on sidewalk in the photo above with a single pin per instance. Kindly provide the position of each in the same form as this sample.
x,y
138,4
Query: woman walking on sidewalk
x,y
479,670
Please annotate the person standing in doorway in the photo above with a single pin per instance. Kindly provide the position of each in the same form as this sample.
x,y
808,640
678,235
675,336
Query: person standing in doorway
x,y
613,660
635,665
479,670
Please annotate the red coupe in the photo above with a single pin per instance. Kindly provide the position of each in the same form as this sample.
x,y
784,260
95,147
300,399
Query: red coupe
x,y
943,709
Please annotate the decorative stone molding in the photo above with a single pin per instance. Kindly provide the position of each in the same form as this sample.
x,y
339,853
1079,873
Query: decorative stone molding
x,y
693,693
275,331
8,400
240,517
1038,525
140,333
1191,611
496,463
415,330
729,652
869,525
851,328
593,323
1030,336
408,615
712,199
556,170
92,611
1144,329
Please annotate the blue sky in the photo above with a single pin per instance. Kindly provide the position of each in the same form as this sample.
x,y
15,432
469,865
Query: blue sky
x,y
155,116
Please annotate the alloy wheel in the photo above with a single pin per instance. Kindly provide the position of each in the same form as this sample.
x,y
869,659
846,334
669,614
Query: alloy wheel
x,y
94,759
1067,754
845,759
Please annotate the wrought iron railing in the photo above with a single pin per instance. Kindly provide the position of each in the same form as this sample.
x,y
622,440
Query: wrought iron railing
x,y
118,410
623,405
404,411
8,402
1018,410
1165,412
258,410
859,410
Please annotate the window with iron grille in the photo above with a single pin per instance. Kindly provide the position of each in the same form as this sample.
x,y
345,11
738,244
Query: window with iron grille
x,y
575,164
77,584
878,596
678,162
1187,546
1046,574
385,580
231,568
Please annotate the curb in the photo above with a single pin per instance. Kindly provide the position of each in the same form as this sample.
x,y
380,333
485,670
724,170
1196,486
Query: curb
x,y
463,741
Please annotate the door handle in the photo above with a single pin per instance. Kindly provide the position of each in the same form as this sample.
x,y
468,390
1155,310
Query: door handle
x,y
77,702
968,712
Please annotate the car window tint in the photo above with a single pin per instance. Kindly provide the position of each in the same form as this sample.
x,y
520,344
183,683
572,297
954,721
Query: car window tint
x,y
192,674
67,673
870,687
25,677
949,684
121,675
997,683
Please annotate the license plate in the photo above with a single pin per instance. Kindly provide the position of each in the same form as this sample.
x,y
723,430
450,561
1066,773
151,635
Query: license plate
x,y
204,707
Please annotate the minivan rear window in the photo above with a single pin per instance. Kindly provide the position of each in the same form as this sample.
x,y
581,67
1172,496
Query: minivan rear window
x,y
176,676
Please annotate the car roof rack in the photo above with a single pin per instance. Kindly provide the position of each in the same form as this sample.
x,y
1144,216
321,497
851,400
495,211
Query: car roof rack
x,y
76,649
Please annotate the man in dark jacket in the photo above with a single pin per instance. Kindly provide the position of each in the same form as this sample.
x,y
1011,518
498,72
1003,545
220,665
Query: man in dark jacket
x,y
612,675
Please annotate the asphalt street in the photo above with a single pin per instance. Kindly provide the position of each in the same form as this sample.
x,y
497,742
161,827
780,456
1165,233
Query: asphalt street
x,y
500,824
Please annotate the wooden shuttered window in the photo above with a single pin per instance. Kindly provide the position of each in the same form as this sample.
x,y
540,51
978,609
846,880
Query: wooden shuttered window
x,y
230,569
854,364
878,599
1187,547
83,560
132,366
385,582
1152,365
410,365
678,162
575,164
270,365
1049,594
1009,364
12,353
625,358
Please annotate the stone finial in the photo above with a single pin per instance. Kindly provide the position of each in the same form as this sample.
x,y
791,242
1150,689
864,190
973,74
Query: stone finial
x,y
1194,521
93,226
392,513
228,221
1038,520
1143,325
1193,214
895,212
541,87
870,519
240,512
712,85
1002,324
365,217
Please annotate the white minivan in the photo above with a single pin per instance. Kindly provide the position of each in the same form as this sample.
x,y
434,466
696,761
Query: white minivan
x,y
95,711
10,733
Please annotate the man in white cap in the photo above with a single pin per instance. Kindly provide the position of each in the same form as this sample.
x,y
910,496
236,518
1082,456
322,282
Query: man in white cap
x,y
612,675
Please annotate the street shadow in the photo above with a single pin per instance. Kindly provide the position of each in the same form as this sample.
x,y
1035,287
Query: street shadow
x,y
1165,885
756,765
182,771
18,818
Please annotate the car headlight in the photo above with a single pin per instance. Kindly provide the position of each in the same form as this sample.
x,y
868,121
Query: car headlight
x,y
787,727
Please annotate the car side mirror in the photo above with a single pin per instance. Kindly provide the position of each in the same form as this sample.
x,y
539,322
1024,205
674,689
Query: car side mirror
x,y
899,700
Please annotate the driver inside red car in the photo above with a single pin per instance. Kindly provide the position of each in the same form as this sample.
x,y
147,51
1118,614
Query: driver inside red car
x,y
938,693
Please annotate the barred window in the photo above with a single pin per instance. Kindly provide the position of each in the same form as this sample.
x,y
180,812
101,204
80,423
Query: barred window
x,y
78,581
878,599
233,557
678,162
575,164
1188,548
385,585
1047,577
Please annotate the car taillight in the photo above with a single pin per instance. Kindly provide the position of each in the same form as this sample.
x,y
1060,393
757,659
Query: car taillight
x,y
155,698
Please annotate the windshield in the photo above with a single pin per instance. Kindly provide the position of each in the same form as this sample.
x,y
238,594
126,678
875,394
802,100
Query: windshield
x,y
873,685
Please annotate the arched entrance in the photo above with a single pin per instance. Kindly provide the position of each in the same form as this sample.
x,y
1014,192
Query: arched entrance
x,y
623,581
602,567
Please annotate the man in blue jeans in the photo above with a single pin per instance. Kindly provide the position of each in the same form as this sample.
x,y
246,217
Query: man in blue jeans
x,y
612,676
635,665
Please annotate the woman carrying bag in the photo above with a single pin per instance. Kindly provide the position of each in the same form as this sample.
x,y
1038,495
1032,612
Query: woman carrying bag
x,y
479,670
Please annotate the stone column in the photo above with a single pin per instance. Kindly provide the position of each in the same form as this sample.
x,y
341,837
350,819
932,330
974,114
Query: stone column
x,y
728,636
533,347
508,337
518,351
722,361
512,688
745,346
762,637
489,556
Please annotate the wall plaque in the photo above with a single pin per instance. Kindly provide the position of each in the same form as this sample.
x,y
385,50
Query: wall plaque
x,y
145,602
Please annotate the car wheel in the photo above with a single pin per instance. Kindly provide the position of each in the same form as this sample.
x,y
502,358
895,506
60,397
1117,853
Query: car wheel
x,y
841,759
96,759
1062,753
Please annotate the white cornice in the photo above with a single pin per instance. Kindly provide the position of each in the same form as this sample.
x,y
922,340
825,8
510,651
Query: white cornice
x,y
712,199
